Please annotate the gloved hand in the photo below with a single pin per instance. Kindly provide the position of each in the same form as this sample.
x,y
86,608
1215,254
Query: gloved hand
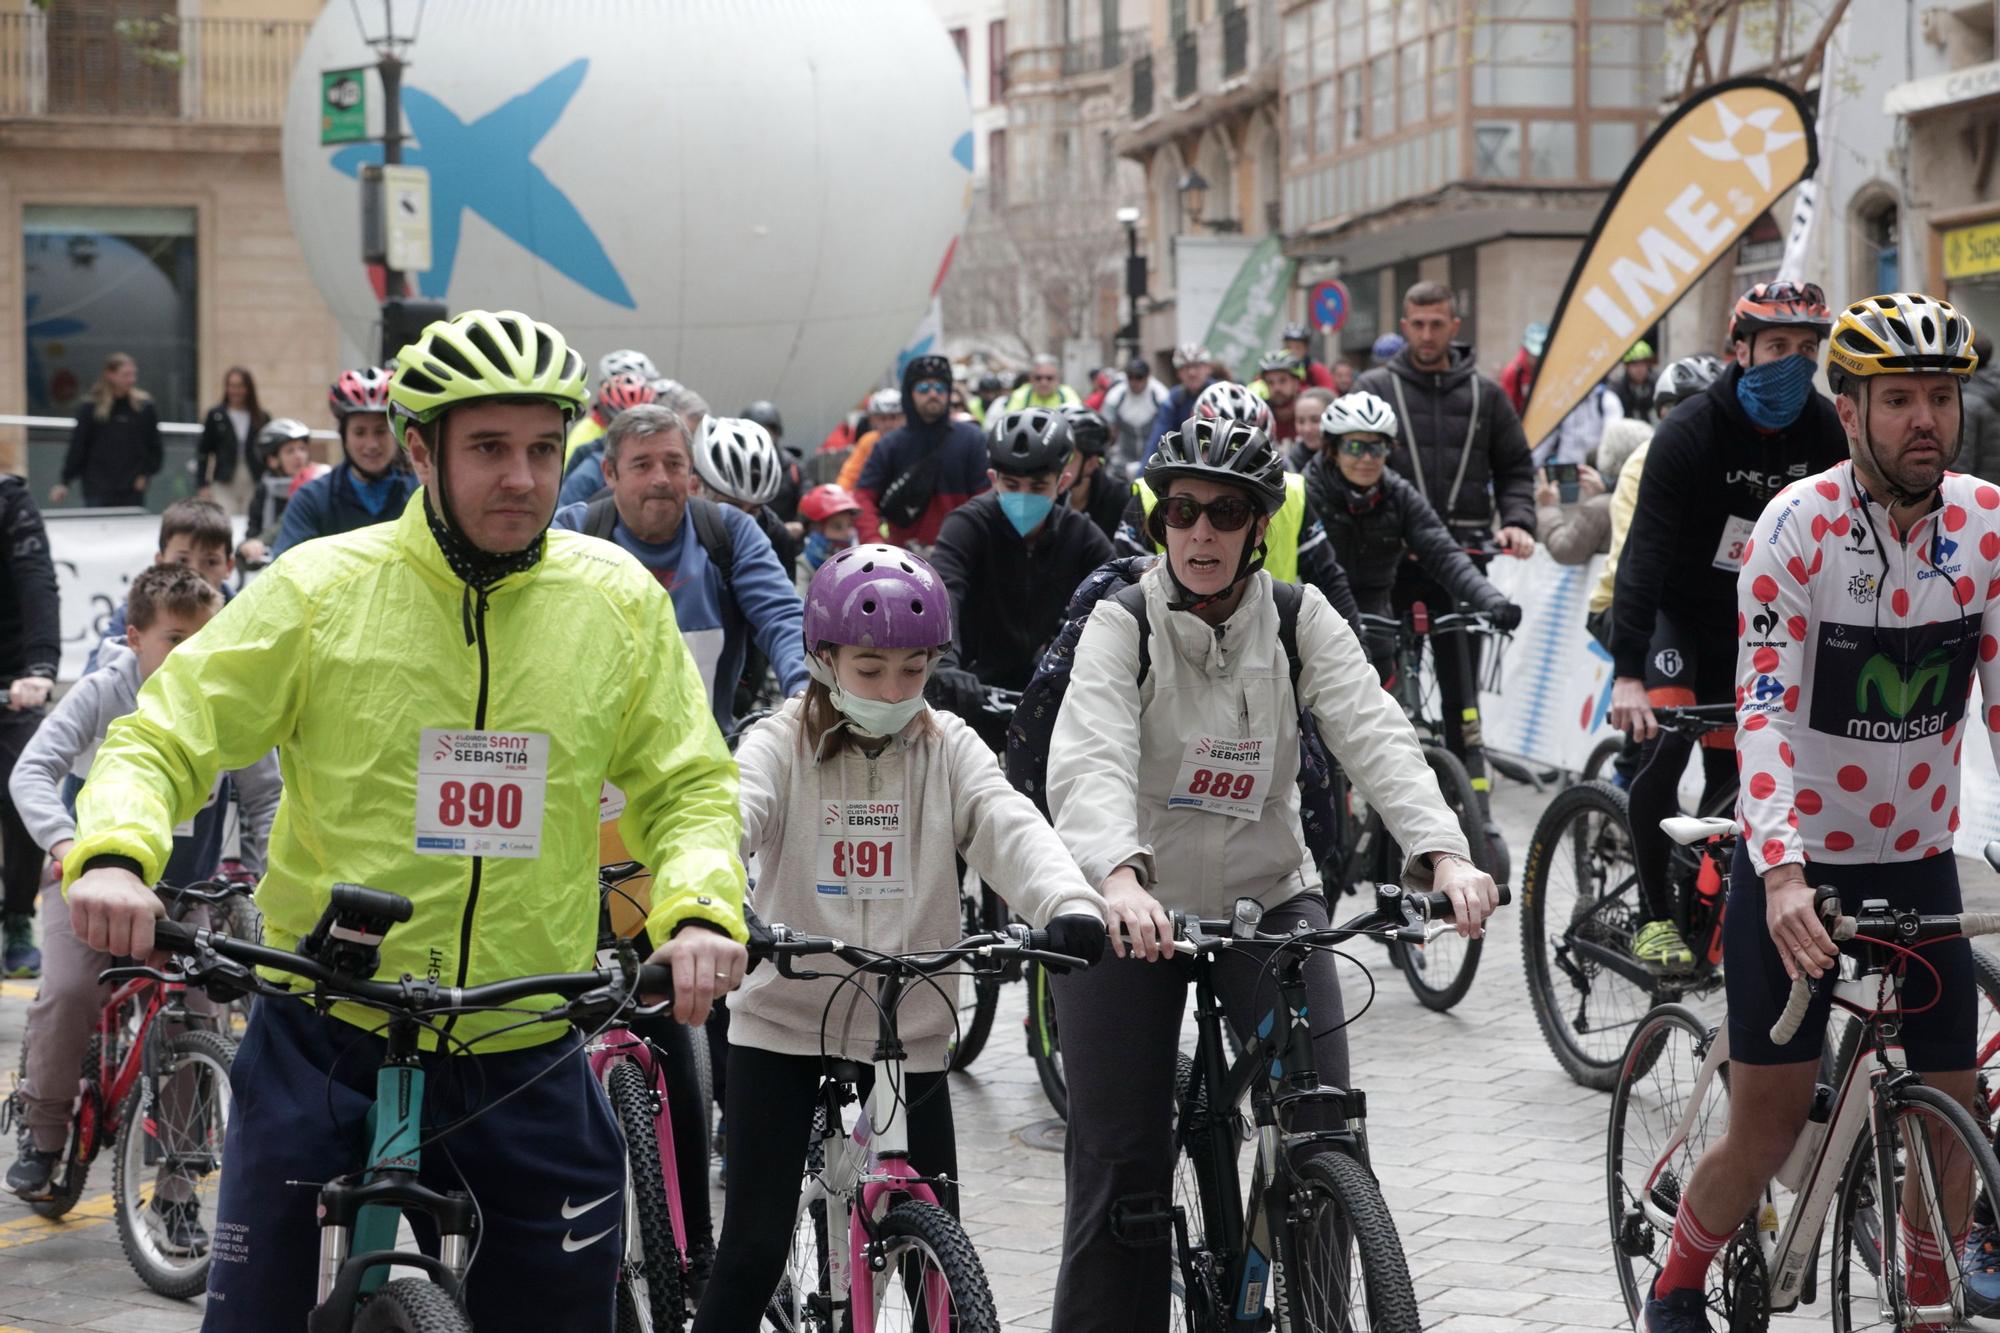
x,y
957,689
1506,616
1078,934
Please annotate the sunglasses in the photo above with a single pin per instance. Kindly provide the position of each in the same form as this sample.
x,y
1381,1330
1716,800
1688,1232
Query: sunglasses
x,y
1354,448
1227,514
930,386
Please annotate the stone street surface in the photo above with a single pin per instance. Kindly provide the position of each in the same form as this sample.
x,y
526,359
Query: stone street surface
x,y
1491,1159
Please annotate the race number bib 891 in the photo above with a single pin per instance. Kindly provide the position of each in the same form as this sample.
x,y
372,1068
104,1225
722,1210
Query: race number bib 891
x,y
861,852
480,793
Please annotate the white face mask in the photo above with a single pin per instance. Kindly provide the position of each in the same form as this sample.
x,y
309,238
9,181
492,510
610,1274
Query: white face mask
x,y
875,716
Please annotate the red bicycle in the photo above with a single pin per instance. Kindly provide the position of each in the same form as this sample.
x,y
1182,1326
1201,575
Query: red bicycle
x,y
155,1085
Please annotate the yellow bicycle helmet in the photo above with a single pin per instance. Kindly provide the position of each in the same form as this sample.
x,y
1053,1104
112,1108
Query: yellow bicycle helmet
x,y
481,354
1902,333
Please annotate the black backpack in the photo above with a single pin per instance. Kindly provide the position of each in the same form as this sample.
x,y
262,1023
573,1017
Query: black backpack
x,y
1035,716
709,529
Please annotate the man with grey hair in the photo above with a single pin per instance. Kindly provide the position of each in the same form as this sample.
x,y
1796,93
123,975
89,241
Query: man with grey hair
x,y
727,585
585,478
1044,387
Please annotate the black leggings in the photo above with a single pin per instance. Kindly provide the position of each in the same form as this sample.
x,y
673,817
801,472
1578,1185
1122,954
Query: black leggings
x,y
24,859
1457,673
1684,665
769,1122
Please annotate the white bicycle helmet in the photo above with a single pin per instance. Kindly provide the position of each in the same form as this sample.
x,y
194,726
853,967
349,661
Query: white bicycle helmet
x,y
1232,402
885,403
626,362
1358,414
738,460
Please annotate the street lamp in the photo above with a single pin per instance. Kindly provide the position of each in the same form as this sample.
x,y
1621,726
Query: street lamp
x,y
1135,279
390,47
1194,193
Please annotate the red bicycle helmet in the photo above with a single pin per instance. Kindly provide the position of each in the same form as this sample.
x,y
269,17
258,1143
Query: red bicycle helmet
x,y
364,390
822,502
1779,305
623,391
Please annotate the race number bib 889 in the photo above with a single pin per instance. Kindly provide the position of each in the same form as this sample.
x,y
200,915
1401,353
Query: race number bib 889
x,y
480,793
1222,776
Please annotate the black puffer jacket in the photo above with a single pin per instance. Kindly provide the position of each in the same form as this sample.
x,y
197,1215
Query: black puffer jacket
x,y
1008,594
1433,411
30,637
1371,540
1707,464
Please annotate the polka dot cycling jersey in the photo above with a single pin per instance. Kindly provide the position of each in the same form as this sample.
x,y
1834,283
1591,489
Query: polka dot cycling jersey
x,y
1856,656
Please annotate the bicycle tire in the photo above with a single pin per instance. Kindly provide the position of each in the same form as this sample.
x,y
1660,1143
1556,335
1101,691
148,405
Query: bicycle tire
x,y
1674,1038
704,1077
1348,1235
1601,756
655,1288
1195,1281
1044,1042
1450,959
975,1025
1551,989
1986,976
791,1309
130,1178
73,1170
411,1305
1860,1221
911,1229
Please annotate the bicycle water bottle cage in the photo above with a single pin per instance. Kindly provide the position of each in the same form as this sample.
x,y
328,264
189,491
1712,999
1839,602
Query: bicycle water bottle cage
x,y
348,938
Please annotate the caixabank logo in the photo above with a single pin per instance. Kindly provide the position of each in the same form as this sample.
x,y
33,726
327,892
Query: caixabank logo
x,y
1892,684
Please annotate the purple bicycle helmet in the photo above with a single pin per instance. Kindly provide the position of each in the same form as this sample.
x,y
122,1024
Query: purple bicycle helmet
x,y
877,596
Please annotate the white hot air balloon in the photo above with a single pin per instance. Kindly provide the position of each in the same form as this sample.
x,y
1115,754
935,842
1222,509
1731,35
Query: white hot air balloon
x,y
762,195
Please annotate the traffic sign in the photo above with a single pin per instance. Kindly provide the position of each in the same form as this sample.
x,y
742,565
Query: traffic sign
x,y
1328,305
343,106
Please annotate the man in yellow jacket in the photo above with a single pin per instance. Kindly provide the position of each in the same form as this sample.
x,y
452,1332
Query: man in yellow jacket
x,y
1044,387
396,669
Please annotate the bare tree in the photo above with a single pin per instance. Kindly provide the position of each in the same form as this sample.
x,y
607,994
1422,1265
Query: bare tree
x,y
987,302
1069,247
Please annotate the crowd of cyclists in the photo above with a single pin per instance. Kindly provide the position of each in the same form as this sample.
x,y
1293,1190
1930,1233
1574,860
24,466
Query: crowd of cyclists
x,y
512,589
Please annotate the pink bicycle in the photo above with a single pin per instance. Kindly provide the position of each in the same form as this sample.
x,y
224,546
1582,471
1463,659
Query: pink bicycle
x,y
872,1248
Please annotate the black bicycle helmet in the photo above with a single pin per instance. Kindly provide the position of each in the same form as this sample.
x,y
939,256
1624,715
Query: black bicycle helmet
x,y
1029,440
765,413
1234,453
1087,431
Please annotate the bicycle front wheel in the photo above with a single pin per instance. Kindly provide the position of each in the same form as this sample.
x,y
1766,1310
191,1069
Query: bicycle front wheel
x,y
167,1171
1441,971
1347,1269
932,1281
1044,1046
411,1305
1924,1181
1649,1156
649,1280
1579,907
979,994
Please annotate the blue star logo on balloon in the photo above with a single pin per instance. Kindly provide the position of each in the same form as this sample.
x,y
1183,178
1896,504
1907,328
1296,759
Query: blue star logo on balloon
x,y
485,167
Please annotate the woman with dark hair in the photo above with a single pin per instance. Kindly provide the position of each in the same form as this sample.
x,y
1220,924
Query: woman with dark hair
x,y
115,448
228,432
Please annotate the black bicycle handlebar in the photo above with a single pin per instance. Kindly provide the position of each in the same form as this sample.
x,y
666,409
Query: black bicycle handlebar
x,y
1876,923
1408,911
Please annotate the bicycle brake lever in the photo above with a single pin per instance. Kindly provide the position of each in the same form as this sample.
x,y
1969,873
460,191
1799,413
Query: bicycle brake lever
x,y
134,972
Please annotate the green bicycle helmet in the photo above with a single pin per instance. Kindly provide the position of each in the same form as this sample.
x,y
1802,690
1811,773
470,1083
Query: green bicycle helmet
x,y
482,354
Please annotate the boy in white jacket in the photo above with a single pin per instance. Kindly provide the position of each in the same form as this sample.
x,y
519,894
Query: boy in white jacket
x,y
856,800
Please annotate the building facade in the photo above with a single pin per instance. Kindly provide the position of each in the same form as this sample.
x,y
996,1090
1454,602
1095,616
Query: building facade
x,y
142,211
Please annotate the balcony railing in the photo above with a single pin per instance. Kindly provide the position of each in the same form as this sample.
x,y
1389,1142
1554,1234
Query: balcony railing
x,y
1187,66
1142,87
1089,55
1238,44
69,61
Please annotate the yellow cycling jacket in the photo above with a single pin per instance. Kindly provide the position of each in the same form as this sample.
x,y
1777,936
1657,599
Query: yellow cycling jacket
x,y
344,655
587,430
1281,538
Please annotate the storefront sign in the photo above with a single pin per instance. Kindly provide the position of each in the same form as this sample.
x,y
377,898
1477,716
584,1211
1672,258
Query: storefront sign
x,y
1942,90
1972,252
1708,172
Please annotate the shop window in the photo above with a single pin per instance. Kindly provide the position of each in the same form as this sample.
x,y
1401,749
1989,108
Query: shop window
x,y
1496,150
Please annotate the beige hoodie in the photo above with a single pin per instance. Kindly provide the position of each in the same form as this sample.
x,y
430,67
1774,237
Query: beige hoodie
x,y
865,850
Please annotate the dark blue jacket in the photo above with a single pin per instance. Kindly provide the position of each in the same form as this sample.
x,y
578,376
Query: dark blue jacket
x,y
329,504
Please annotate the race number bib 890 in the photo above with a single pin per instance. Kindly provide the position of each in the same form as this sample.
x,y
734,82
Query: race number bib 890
x,y
480,793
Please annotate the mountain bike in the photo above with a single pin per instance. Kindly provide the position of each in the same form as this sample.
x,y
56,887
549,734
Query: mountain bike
x,y
1439,972
1580,904
359,1210
872,1247
1878,1142
1314,1237
154,1085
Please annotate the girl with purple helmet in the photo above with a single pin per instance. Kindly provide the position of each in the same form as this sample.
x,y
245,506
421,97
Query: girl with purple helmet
x,y
857,802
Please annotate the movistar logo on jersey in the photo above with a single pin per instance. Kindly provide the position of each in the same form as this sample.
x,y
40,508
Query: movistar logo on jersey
x,y
1896,693
1892,684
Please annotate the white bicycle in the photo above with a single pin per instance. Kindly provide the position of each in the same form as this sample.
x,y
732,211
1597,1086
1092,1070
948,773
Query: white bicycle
x,y
1878,1145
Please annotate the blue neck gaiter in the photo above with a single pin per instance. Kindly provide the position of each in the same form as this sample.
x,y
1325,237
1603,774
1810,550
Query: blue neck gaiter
x,y
1774,393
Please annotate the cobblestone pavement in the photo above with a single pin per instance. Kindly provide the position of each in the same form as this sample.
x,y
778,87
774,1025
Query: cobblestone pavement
x,y
1492,1161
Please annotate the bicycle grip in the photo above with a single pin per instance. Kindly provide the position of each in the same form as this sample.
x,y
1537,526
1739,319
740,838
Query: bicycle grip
x,y
176,936
655,979
1796,1005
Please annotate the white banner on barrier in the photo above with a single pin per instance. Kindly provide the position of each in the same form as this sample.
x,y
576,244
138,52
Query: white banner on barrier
x,y
1555,690
97,554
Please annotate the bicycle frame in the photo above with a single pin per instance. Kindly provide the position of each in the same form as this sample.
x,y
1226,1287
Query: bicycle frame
x,y
1862,1091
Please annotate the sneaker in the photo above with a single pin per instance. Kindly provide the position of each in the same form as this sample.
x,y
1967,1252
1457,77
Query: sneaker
x,y
20,958
1658,944
1979,1261
177,1227
1682,1311
33,1171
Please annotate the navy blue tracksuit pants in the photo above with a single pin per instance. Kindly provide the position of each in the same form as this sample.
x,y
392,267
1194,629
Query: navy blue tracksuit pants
x,y
547,1169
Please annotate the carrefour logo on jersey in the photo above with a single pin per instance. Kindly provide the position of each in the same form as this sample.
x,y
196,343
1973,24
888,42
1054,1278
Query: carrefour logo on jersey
x,y
1892,684
1946,549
